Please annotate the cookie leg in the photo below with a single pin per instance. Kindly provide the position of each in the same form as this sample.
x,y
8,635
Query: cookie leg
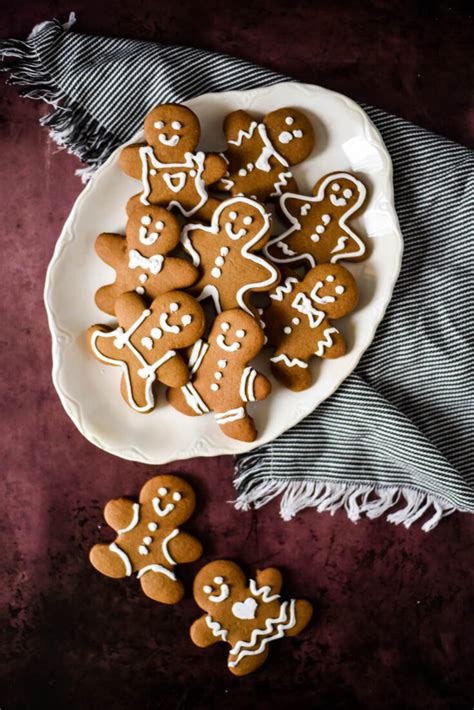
x,y
295,378
248,664
241,429
178,400
304,612
107,562
161,588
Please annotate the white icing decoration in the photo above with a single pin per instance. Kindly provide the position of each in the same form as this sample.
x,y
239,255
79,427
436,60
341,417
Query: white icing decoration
x,y
162,491
199,350
282,181
298,133
143,236
177,496
122,339
187,319
159,124
285,137
283,289
263,592
247,220
327,342
360,190
225,327
289,120
146,220
153,527
140,290
217,273
147,343
195,160
347,193
245,609
113,547
295,321
218,375
134,521
147,540
234,235
222,363
244,134
224,251
224,594
341,244
330,278
162,512
143,278
246,391
233,215
143,550
320,299
283,622
338,201
214,387
268,151
219,261
153,263
287,330
220,340
194,399
336,187
216,628
289,362
207,589
171,142
157,568
166,327
304,305
304,209
231,415
156,333
164,546
286,249
240,333
176,125
218,580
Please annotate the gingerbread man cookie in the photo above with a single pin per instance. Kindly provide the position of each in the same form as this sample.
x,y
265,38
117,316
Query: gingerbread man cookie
x,y
247,617
172,173
222,380
140,258
230,270
144,345
149,541
318,233
260,154
297,322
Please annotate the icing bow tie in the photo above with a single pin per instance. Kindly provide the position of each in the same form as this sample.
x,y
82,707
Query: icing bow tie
x,y
154,263
303,304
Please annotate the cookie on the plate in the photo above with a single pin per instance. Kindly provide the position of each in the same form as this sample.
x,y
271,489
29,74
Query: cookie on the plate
x,y
173,174
298,321
141,260
225,253
247,617
319,233
221,379
149,542
260,153
145,342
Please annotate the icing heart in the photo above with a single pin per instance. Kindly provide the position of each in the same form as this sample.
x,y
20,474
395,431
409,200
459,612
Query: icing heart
x,y
245,609
175,181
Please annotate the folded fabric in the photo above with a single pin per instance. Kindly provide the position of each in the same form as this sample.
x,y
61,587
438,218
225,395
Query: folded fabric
x,y
397,434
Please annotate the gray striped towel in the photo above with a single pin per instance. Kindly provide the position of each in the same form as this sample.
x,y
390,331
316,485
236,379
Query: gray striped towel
x,y
396,435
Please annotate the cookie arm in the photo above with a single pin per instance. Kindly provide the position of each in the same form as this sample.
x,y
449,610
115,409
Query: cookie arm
x,y
331,343
129,160
236,122
270,577
201,634
185,548
174,372
214,168
110,248
120,513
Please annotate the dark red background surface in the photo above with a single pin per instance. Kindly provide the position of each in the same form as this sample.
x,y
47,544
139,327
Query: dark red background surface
x,y
393,625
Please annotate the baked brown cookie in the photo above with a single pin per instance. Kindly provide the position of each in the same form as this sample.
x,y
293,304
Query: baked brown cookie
x,y
318,233
225,254
172,173
149,542
247,617
141,260
298,321
260,153
221,379
145,342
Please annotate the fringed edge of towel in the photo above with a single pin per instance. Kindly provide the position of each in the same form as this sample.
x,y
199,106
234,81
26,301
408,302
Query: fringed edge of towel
x,y
357,500
69,125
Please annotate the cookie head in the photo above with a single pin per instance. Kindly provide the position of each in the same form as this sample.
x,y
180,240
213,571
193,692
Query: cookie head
x,y
172,130
243,219
342,191
238,334
152,230
217,585
291,132
170,498
332,288
178,317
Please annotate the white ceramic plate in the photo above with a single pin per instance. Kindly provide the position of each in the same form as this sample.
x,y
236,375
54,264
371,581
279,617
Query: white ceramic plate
x,y
90,392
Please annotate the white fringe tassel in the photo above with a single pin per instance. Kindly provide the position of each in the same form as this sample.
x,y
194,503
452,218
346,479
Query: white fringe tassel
x,y
357,500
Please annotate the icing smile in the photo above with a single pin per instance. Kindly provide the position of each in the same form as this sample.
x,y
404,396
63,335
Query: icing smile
x,y
220,340
224,590
162,512
172,142
234,235
319,299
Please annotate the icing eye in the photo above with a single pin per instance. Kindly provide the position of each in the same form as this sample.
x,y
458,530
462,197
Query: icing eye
x,y
240,333
287,330
218,580
207,589
248,220
340,290
330,278
289,120
160,225
233,215
347,193
147,540
156,333
285,137
159,124
335,186
297,133
146,220
174,307
177,496
186,320
152,527
162,491
225,327
176,125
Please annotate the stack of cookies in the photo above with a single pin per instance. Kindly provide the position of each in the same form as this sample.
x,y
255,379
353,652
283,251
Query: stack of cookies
x,y
200,232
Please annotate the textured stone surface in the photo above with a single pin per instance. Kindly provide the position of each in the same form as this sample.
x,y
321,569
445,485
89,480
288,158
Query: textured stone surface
x,y
393,623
